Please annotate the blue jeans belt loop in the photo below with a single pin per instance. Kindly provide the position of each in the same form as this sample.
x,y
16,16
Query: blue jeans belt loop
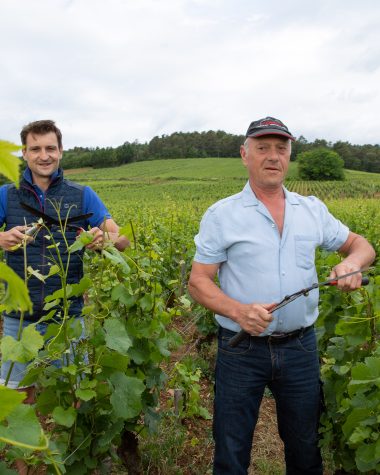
x,y
277,338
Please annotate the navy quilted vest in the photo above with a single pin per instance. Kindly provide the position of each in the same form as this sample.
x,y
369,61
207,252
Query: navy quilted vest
x,y
40,254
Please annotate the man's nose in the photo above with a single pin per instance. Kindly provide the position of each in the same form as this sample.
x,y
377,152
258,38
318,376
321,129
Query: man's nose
x,y
44,154
273,153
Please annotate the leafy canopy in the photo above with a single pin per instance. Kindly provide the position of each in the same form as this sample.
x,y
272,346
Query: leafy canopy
x,y
320,164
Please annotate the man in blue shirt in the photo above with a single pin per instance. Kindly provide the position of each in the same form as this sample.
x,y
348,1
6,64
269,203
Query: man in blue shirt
x,y
261,242
42,187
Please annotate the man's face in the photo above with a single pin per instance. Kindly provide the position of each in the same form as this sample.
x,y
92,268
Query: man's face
x,y
266,159
42,154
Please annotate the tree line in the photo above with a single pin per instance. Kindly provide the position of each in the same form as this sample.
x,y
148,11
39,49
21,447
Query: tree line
x,y
210,144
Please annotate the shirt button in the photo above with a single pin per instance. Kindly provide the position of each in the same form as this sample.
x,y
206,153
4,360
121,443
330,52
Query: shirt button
x,y
280,321
282,273
273,225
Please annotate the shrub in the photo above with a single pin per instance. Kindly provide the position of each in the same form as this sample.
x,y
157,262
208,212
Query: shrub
x,y
320,164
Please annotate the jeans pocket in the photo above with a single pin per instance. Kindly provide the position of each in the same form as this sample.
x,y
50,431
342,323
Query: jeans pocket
x,y
224,337
308,342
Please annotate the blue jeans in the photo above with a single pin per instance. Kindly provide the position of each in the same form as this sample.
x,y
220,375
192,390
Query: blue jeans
x,y
10,328
291,371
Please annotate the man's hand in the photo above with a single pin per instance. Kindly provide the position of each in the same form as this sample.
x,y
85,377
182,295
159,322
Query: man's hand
x,y
255,317
359,255
107,231
99,239
14,237
348,283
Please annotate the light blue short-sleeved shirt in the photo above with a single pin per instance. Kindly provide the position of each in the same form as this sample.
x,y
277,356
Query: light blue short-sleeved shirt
x,y
257,264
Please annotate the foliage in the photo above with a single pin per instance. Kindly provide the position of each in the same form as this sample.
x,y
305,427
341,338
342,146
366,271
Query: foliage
x,y
16,296
320,164
134,300
349,329
9,165
110,380
186,379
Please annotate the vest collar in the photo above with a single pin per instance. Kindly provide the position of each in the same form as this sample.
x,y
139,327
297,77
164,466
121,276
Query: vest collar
x,y
56,177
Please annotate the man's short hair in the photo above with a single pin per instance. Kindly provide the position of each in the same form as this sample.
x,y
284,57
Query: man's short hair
x,y
41,127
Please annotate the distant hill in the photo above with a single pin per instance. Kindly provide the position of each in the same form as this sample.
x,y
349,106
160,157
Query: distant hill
x,y
209,144
227,173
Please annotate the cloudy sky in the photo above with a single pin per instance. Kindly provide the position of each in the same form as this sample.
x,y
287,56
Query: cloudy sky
x,y
110,71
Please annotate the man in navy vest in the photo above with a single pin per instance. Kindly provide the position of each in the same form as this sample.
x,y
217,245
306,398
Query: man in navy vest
x,y
42,187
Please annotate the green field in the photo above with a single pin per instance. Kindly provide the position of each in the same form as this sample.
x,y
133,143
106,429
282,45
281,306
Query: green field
x,y
198,179
182,190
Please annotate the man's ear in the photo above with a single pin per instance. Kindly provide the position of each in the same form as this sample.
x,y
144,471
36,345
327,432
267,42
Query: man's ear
x,y
243,154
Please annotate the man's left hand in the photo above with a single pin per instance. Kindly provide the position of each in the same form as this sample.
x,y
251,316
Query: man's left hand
x,y
98,241
348,283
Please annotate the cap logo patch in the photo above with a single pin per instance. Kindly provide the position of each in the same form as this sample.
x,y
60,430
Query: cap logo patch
x,y
268,123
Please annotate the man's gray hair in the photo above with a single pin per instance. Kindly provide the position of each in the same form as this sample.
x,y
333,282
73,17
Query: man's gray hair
x,y
246,142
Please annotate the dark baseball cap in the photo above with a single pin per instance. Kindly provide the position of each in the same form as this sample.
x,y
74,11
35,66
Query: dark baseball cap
x,y
268,126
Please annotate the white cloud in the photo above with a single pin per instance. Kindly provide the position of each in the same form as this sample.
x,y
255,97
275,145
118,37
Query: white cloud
x,y
121,70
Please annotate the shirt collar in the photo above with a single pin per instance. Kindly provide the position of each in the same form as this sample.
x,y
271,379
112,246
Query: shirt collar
x,y
292,198
250,199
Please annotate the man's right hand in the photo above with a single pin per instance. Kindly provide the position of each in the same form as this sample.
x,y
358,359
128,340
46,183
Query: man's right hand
x,y
254,318
14,237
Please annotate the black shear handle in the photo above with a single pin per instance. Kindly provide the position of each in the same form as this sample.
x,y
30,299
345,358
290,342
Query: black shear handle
x,y
238,338
242,335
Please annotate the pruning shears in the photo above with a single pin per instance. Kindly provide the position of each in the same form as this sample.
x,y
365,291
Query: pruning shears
x,y
46,220
242,335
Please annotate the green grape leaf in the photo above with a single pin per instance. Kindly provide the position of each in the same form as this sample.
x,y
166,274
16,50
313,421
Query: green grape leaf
x,y
368,456
85,394
24,350
64,417
9,399
146,303
9,164
4,470
120,293
117,337
126,397
354,419
16,296
23,426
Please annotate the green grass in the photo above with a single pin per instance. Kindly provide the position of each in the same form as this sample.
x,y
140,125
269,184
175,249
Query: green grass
x,y
191,185
180,191
190,169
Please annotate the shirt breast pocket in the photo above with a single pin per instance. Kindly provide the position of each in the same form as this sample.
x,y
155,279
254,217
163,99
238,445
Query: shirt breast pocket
x,y
305,251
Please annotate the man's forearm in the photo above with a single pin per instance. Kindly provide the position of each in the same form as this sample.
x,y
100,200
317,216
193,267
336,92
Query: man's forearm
x,y
253,318
208,294
359,255
358,252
